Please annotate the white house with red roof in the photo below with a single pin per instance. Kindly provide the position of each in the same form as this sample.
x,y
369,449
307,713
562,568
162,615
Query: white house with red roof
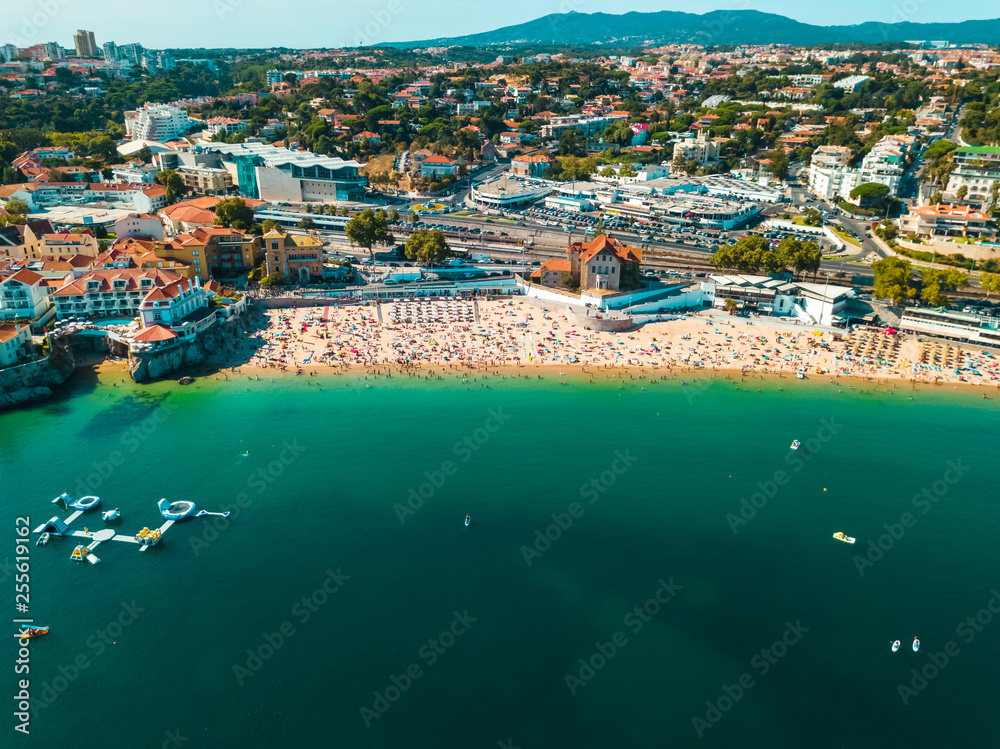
x,y
180,305
117,288
438,166
25,295
13,340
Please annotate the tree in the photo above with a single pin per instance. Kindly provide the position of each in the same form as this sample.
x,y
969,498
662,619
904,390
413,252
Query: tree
x,y
730,305
427,246
309,208
233,213
813,217
17,207
989,282
394,215
173,182
893,279
144,155
778,159
804,257
887,231
994,194
414,218
870,193
307,223
749,254
936,197
274,279
962,192
269,224
936,284
366,229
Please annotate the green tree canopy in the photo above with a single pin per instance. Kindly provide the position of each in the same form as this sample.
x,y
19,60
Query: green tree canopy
x,y
427,246
17,207
269,224
870,192
804,257
750,254
233,213
173,182
367,229
893,279
936,284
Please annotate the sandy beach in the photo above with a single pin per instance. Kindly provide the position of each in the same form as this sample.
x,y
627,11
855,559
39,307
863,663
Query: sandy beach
x,y
521,338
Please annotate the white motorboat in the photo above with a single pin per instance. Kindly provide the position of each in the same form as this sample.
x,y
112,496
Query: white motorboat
x,y
795,444
916,644
895,646
43,539
467,520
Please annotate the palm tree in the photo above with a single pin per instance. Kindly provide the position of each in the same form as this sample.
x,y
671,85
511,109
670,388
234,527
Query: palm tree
x,y
730,305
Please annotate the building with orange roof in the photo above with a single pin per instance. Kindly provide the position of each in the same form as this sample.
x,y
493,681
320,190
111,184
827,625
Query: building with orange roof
x,y
299,258
600,263
946,221
14,340
120,289
24,296
531,166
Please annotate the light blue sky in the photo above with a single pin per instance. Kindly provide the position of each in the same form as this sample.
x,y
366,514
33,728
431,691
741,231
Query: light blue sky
x,y
295,23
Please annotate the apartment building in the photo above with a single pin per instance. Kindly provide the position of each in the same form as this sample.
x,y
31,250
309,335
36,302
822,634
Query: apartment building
x,y
206,180
25,295
976,169
945,221
159,122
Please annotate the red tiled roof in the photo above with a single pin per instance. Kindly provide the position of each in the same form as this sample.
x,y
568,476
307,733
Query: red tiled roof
x,y
154,334
25,276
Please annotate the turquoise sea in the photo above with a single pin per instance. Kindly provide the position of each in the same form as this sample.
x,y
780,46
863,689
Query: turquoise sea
x,y
647,565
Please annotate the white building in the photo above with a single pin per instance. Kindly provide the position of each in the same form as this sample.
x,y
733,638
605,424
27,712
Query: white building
x,y
852,83
13,339
139,225
812,303
24,296
159,122
134,173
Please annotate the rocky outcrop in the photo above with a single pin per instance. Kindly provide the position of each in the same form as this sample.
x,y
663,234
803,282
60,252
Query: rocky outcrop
x,y
151,365
36,381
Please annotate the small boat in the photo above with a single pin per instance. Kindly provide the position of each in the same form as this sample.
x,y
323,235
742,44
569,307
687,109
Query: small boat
x,y
795,444
895,646
43,539
841,537
111,515
28,633
467,520
916,644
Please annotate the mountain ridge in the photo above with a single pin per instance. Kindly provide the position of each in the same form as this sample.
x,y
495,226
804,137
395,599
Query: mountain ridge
x,y
717,27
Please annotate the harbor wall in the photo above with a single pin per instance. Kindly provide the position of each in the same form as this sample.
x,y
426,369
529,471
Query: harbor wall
x,y
37,380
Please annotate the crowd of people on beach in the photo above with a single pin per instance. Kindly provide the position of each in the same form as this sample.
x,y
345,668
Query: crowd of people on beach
x,y
505,333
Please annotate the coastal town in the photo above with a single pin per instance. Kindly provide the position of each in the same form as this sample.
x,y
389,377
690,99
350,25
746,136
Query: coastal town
x,y
821,212
438,375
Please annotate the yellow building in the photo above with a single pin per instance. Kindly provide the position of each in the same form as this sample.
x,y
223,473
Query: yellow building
x,y
215,252
298,258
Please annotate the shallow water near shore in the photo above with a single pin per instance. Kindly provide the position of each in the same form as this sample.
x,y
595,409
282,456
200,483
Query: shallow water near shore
x,y
587,500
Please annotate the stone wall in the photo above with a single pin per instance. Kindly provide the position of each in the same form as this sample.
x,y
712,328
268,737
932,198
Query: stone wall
x,y
37,380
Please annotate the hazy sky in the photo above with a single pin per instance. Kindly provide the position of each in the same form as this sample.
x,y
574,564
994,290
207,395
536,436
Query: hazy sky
x,y
296,23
